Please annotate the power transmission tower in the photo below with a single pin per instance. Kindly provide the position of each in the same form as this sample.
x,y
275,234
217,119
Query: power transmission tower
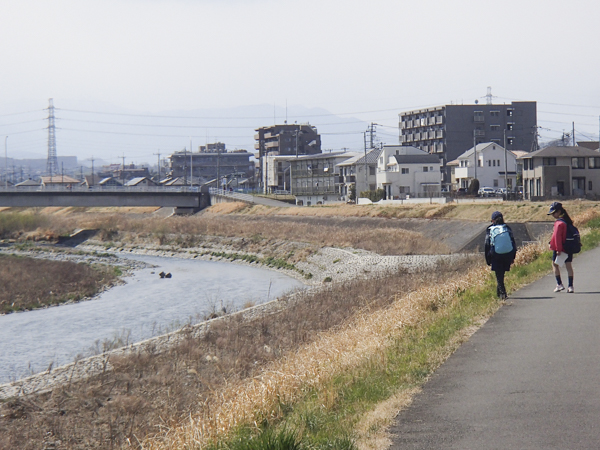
x,y
52,164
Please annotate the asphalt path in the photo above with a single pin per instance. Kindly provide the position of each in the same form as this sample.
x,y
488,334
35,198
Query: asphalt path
x,y
528,379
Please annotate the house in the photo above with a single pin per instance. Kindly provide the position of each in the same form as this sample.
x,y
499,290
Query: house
x,y
448,130
58,182
561,172
490,170
407,170
314,180
109,182
28,184
358,174
140,182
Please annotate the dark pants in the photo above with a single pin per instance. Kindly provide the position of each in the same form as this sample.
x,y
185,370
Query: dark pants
x,y
500,289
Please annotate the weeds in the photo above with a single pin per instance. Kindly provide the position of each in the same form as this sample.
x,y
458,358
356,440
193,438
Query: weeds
x,y
29,283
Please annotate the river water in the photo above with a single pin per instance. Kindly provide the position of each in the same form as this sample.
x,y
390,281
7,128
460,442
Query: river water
x,y
143,307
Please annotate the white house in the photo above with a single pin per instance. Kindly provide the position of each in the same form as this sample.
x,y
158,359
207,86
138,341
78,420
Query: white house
x,y
407,170
492,160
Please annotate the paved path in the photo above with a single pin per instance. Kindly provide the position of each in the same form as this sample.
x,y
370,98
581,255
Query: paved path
x,y
528,379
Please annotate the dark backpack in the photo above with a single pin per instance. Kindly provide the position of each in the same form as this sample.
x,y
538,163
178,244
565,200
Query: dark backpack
x,y
572,243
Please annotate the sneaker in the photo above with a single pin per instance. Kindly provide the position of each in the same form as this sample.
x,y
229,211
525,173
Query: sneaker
x,y
570,289
559,287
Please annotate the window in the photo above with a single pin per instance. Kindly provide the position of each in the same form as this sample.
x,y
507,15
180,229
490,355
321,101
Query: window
x,y
495,127
549,161
578,185
510,126
578,163
371,170
494,161
425,168
496,183
495,113
510,112
510,141
589,185
594,163
489,163
405,170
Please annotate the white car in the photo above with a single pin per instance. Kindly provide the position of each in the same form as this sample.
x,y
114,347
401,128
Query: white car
x,y
486,192
501,191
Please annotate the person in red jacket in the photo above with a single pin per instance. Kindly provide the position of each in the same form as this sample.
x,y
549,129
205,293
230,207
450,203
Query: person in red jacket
x,y
559,235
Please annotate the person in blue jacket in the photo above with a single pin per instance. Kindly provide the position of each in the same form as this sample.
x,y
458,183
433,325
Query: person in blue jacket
x,y
500,262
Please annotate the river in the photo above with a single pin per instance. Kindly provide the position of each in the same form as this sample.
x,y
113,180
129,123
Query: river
x,y
145,306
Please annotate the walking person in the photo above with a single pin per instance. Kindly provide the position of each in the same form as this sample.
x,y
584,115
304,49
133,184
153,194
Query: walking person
x,y
500,250
557,244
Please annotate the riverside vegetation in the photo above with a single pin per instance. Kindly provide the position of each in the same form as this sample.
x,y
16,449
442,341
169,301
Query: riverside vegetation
x,y
330,371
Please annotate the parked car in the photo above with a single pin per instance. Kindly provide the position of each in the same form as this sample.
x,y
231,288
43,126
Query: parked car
x,y
501,191
486,192
462,191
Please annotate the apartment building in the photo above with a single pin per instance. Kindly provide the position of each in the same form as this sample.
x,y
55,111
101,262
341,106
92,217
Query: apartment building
x,y
314,179
449,130
208,166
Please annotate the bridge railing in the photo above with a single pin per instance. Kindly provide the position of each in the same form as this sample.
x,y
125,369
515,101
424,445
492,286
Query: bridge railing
x,y
157,189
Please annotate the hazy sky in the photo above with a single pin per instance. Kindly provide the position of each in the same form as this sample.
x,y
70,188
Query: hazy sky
x,y
364,60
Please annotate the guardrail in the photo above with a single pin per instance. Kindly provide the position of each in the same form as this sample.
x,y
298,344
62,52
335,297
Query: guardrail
x,y
232,194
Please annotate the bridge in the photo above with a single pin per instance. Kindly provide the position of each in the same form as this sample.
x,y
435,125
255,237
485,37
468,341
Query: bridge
x,y
183,199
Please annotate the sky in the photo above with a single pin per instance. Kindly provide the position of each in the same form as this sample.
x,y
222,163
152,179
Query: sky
x,y
181,71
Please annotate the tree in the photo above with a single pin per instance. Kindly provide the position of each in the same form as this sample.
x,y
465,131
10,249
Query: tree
x,y
474,186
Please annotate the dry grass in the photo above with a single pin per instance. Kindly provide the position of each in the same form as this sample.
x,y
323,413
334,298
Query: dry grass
x,y
149,392
29,283
285,380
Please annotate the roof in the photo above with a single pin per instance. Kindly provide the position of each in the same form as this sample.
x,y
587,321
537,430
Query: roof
x,y
592,145
360,159
138,180
325,155
480,148
557,152
417,159
59,179
29,182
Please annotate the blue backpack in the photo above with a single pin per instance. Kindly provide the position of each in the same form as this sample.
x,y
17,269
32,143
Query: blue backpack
x,y
500,239
572,243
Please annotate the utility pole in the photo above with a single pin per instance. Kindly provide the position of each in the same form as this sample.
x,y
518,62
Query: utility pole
x,y
191,164
475,154
505,164
573,137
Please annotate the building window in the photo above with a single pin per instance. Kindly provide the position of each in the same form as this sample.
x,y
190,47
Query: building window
x,y
510,112
510,141
589,185
578,163
425,169
549,161
510,126
405,170
578,185
495,113
489,163
496,183
495,127
594,163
